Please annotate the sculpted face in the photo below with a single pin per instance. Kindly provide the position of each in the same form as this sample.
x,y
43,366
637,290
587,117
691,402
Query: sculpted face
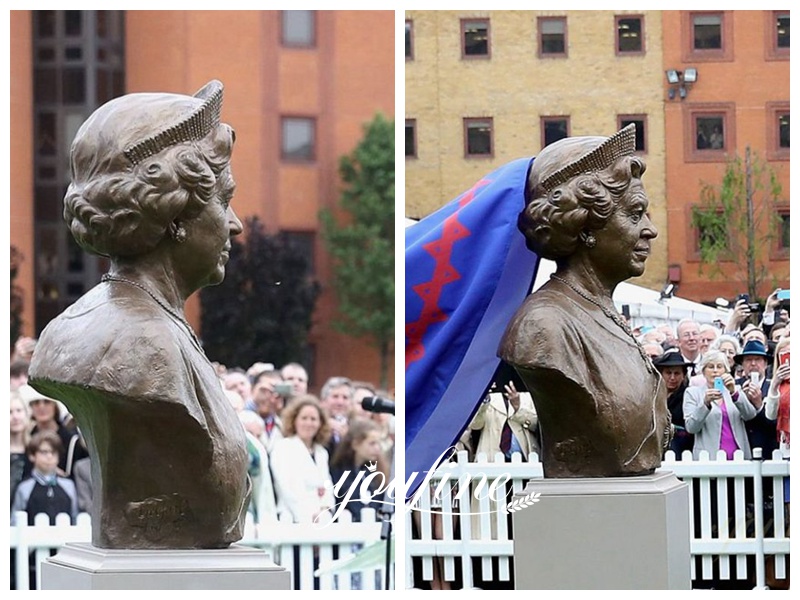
x,y
201,259
623,245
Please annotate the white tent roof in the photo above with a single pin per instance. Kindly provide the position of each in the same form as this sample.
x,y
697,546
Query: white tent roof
x,y
646,306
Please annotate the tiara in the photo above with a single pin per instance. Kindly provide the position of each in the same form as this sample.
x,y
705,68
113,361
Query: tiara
x,y
622,143
193,128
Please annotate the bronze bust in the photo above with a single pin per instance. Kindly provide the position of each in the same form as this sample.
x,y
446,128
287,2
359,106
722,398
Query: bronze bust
x,y
601,403
151,188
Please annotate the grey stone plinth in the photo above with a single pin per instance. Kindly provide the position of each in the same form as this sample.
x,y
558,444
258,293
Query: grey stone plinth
x,y
84,567
604,533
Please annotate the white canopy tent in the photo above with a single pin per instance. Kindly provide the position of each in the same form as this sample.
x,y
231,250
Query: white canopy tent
x,y
646,306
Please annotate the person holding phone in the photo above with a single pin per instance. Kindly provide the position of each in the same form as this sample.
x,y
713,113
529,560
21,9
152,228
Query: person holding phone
x,y
716,411
776,404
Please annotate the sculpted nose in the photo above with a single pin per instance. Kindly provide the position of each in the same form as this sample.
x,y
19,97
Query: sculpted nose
x,y
649,230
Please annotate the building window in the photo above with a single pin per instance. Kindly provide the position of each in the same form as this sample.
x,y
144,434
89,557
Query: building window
x,y
78,64
297,139
411,138
297,28
554,129
707,32
778,137
710,132
478,137
474,38
641,129
410,40
709,36
630,34
552,36
781,240
777,36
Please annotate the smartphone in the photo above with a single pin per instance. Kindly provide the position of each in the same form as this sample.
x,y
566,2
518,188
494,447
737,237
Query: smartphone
x,y
745,297
283,389
718,385
755,378
783,358
783,294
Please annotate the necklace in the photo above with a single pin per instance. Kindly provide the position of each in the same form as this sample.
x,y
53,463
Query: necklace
x,y
614,317
161,303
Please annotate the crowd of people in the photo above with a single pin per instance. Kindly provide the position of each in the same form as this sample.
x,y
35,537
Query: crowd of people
x,y
300,445
727,386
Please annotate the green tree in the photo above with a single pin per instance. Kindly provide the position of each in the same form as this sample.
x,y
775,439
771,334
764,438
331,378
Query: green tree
x,y
360,238
262,311
16,298
736,222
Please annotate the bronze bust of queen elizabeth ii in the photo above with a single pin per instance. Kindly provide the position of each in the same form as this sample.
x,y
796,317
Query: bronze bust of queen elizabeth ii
x,y
151,189
601,403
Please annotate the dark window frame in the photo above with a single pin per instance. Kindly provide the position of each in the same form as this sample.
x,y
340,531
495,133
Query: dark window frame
x,y
772,51
645,132
643,49
462,34
469,120
299,45
409,30
539,49
723,54
726,110
543,120
774,111
413,124
777,250
299,159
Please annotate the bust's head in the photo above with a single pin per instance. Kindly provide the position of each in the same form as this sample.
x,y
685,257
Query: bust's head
x,y
140,162
574,186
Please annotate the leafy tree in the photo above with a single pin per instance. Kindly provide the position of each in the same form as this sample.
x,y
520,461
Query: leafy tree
x,y
262,311
16,298
361,241
736,221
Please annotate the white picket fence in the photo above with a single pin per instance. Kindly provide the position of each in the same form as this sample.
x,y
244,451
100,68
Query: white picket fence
x,y
463,536
279,539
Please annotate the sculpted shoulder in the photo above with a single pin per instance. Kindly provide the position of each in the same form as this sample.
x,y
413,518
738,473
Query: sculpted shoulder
x,y
540,332
116,342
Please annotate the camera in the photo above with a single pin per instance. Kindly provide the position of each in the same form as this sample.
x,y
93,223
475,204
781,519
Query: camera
x,y
283,389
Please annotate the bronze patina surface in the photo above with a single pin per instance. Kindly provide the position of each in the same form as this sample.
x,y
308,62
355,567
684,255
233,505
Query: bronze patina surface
x,y
601,403
151,187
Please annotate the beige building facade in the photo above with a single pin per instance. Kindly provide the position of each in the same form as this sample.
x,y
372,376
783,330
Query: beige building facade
x,y
514,78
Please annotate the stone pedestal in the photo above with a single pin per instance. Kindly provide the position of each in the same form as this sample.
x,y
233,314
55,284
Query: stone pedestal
x,y
604,533
84,567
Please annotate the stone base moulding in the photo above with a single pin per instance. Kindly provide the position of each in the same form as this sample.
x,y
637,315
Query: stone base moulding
x,y
84,567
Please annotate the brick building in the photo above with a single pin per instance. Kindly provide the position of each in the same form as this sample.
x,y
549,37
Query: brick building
x,y
486,87
300,85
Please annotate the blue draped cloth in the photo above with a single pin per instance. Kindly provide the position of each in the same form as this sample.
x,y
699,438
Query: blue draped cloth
x,y
467,272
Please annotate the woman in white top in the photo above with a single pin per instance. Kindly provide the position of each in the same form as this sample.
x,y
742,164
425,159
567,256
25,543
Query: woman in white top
x,y
300,462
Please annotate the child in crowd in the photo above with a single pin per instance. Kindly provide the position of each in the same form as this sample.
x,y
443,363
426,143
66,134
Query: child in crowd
x,y
45,491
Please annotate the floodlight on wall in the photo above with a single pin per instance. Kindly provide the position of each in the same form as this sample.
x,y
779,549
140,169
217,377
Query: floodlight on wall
x,y
680,82
668,291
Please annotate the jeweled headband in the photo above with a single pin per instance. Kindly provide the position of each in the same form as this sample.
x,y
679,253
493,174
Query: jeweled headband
x,y
622,143
194,127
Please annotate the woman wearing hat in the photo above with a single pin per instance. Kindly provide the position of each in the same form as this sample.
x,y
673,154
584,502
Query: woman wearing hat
x,y
151,189
674,371
715,416
586,209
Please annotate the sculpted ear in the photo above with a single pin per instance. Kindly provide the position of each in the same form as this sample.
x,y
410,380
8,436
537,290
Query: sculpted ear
x,y
124,222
